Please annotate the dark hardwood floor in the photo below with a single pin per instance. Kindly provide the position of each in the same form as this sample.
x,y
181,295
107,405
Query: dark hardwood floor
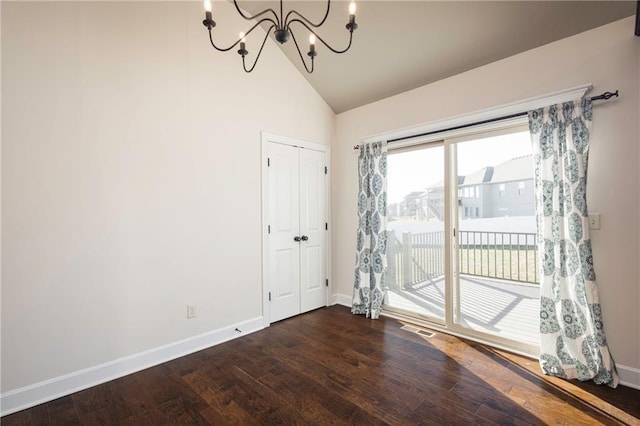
x,y
330,367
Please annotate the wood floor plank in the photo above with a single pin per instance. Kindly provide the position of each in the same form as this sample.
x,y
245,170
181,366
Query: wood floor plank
x,y
316,403
39,415
102,416
136,395
501,417
303,404
389,400
21,418
432,412
62,411
493,404
101,398
146,418
181,411
331,367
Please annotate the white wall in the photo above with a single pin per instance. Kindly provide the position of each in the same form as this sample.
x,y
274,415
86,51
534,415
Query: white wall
x,y
607,57
131,179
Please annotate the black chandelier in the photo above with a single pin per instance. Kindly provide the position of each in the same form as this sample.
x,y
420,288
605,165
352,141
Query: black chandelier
x,y
282,27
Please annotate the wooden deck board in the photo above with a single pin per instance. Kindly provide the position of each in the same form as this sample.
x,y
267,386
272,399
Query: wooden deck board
x,y
503,308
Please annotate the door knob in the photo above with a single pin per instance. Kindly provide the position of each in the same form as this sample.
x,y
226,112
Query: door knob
x,y
296,239
304,238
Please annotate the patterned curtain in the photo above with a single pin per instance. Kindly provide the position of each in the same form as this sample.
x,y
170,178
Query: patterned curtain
x,y
371,259
572,342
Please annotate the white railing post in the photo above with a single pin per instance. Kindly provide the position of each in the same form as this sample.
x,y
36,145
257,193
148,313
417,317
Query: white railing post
x,y
392,252
407,260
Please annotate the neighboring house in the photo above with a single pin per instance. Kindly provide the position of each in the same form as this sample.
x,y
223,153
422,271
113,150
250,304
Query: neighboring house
x,y
412,205
493,191
395,210
496,191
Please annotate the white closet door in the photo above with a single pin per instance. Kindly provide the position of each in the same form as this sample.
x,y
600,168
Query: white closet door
x,y
312,230
284,220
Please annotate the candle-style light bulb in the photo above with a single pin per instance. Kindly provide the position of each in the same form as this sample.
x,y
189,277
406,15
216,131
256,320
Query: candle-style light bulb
x,y
352,26
242,51
207,14
312,47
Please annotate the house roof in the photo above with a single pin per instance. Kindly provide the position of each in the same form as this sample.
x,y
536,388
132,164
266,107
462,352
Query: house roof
x,y
483,175
414,194
520,168
516,169
440,184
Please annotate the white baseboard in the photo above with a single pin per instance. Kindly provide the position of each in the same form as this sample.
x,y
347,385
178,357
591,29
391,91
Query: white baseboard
x,y
341,299
38,393
629,376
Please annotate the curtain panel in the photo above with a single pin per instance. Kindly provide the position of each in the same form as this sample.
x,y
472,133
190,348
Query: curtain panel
x,y
573,343
371,242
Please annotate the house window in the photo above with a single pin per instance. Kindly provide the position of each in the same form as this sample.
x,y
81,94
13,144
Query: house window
x,y
501,189
477,211
520,188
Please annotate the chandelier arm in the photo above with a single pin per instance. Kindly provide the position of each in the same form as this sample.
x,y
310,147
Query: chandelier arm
x,y
250,18
287,22
266,36
320,38
300,54
226,49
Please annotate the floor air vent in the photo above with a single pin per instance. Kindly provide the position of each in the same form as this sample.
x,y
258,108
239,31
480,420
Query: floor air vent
x,y
419,331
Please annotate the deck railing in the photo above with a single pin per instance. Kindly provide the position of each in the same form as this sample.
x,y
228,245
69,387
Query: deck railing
x,y
511,256
415,258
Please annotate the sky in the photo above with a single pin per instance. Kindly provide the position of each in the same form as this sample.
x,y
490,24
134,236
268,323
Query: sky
x,y
417,169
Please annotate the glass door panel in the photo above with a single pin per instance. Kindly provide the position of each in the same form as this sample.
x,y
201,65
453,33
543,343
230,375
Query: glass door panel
x,y
497,288
415,253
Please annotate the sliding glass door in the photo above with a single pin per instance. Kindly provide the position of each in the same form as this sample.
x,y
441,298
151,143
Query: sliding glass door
x,y
415,245
496,256
462,235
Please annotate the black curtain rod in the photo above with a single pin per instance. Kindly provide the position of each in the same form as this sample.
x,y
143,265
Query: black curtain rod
x,y
604,96
637,32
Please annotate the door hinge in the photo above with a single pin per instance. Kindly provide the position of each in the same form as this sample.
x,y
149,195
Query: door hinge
x,y
326,282
269,296
268,162
325,170
268,229
454,232
326,226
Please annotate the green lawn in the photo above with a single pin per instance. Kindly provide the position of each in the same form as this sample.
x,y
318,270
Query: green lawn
x,y
508,264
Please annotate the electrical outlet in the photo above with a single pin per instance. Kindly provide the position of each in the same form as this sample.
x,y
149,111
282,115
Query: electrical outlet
x,y
192,311
594,220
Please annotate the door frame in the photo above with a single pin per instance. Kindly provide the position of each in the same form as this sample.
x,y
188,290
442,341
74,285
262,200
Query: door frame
x,y
452,278
267,138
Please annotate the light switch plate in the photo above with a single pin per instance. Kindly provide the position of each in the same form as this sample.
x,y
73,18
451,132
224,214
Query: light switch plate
x,y
594,220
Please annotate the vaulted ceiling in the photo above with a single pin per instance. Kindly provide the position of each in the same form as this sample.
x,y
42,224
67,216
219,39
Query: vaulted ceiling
x,y
401,45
